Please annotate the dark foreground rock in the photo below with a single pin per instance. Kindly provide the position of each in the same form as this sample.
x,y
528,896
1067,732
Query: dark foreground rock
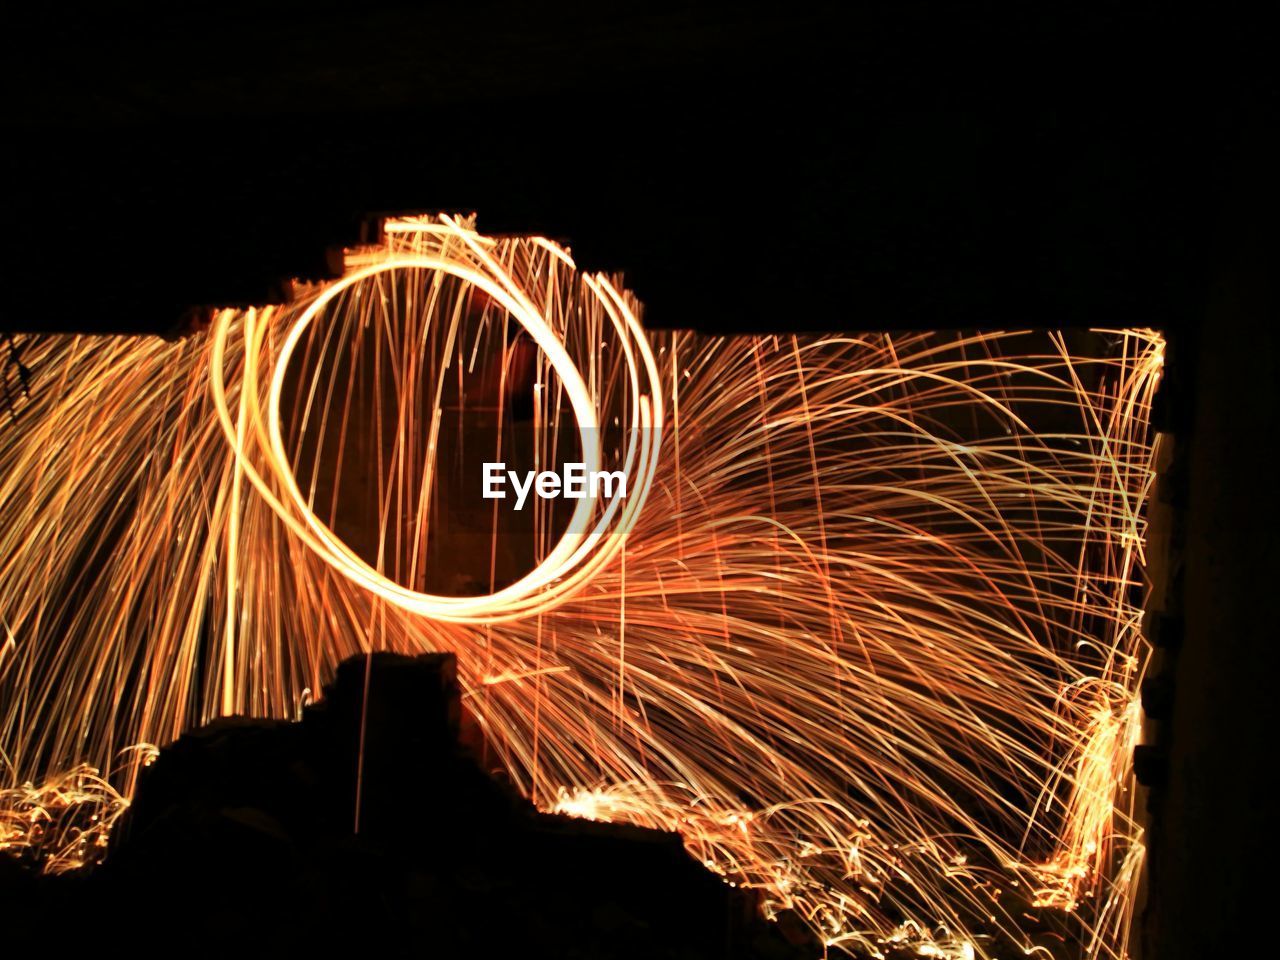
x,y
242,841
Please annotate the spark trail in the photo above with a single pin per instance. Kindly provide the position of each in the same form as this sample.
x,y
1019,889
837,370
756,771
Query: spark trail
x,y
864,631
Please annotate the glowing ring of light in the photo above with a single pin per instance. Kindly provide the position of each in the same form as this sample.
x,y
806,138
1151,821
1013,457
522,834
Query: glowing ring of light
x,y
573,559
337,552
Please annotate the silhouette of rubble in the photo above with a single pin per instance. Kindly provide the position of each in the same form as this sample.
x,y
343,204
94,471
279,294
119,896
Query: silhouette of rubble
x,y
242,841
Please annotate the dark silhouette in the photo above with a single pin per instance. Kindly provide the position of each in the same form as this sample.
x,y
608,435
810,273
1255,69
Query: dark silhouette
x,y
241,841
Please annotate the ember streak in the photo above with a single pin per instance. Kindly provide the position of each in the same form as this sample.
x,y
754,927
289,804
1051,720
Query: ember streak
x,y
860,626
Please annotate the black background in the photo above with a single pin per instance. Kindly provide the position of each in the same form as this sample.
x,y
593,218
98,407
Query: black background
x,y
752,167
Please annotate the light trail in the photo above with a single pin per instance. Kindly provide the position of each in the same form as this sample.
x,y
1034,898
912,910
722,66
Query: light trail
x,y
907,715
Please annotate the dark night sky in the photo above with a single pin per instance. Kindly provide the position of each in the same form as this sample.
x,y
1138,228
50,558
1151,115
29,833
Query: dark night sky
x,y
908,166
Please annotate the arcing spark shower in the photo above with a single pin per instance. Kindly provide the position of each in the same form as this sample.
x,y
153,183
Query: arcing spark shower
x,y
863,629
